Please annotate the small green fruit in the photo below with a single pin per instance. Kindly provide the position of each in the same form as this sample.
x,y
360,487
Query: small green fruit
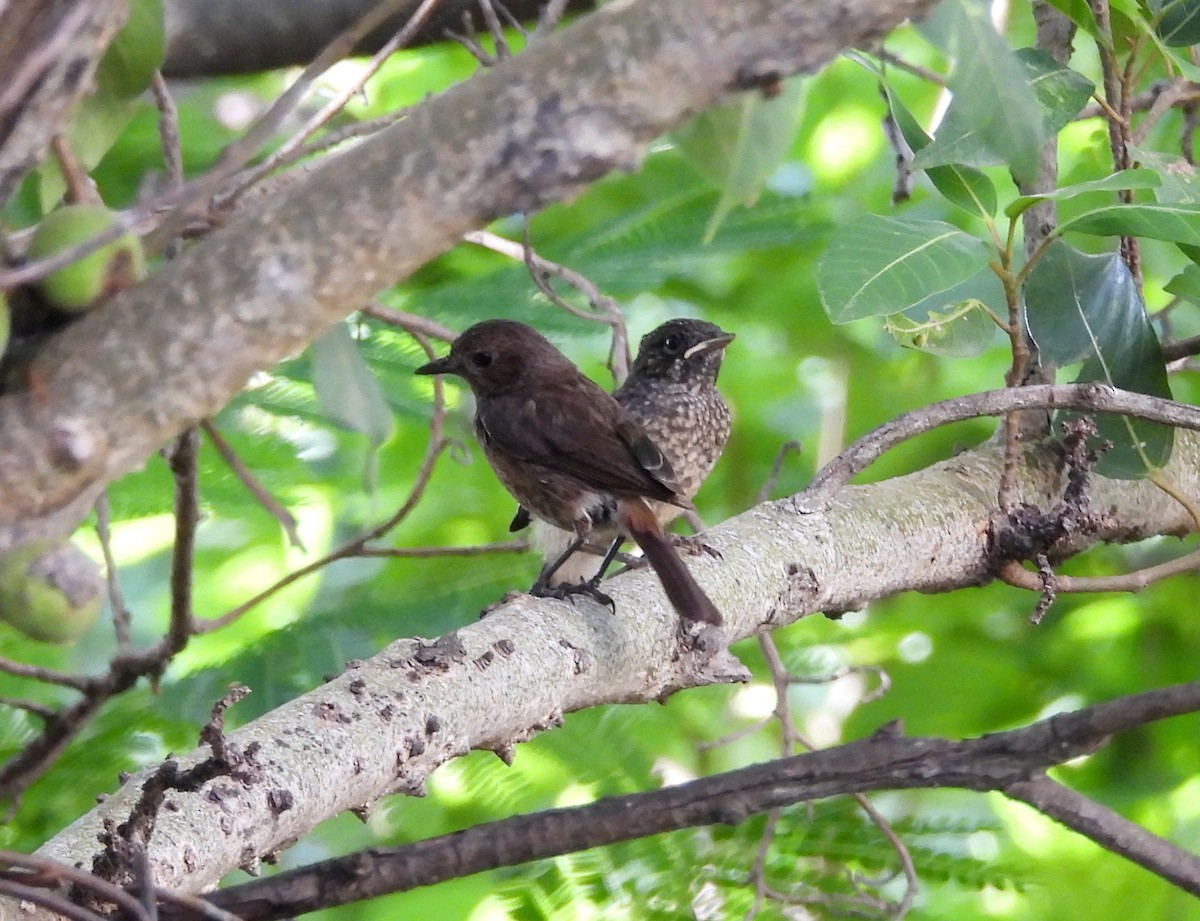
x,y
50,592
86,282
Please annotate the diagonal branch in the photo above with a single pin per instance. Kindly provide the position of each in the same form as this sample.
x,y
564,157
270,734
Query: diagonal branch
x,y
577,104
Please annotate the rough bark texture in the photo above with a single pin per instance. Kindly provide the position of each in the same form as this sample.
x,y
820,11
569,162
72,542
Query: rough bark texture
x,y
110,389
386,723
207,38
49,50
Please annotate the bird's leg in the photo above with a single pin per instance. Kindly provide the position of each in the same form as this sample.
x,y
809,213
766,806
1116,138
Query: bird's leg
x,y
542,588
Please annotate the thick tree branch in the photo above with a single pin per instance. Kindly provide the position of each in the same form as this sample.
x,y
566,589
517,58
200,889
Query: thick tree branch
x,y
386,723
1011,762
212,37
110,389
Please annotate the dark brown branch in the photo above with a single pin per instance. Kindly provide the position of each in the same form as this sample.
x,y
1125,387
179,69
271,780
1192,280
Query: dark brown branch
x,y
1109,829
182,459
1090,397
1001,761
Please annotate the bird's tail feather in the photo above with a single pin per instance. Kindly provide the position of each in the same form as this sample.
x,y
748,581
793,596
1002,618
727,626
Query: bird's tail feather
x,y
685,595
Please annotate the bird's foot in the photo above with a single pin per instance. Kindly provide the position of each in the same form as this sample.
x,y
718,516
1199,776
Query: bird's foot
x,y
564,591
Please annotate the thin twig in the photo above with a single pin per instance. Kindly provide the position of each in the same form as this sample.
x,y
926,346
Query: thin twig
x,y
246,477
48,900
44,871
116,600
916,70
510,546
29,706
409,322
289,147
604,308
183,462
438,444
80,683
1093,396
1018,576
788,447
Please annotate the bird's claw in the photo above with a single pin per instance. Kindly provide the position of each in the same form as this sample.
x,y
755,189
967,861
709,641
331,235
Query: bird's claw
x,y
563,592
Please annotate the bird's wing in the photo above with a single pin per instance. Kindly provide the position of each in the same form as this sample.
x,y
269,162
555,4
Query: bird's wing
x,y
581,431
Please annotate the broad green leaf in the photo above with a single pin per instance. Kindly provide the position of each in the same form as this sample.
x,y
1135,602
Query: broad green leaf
x,y
964,186
877,266
1125,179
963,331
347,390
1088,308
739,145
994,116
1177,176
136,52
1170,221
1186,284
1177,22
1060,91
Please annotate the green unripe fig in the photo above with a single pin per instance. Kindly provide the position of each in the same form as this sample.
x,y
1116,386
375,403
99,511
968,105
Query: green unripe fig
x,y
87,281
50,592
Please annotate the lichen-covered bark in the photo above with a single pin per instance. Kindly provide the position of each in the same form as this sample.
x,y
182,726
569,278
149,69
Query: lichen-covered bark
x,y
110,389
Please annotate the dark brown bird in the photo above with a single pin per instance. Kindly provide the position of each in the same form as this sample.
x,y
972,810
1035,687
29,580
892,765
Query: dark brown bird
x,y
672,391
564,448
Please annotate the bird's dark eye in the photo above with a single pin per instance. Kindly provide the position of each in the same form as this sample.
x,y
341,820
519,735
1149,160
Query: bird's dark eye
x,y
672,344
481,359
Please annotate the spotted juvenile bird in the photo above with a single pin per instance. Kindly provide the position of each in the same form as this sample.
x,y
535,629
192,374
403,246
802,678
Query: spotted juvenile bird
x,y
672,391
568,451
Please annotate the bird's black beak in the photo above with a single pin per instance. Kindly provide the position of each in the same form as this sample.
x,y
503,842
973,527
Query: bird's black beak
x,y
447,365
715,344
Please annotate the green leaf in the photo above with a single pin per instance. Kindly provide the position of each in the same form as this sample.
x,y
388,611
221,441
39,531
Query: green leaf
x,y
738,146
877,266
1042,93
1177,22
136,52
963,331
1088,308
1060,91
964,186
1175,222
347,390
1177,176
1125,179
1186,284
994,116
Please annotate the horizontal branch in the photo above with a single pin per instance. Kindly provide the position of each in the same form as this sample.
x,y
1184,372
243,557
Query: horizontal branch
x,y
386,723
1011,762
